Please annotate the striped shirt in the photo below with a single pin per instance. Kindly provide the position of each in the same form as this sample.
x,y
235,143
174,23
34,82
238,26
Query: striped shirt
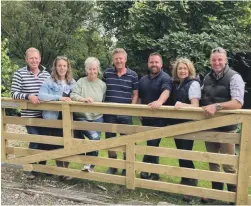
x,y
24,83
120,89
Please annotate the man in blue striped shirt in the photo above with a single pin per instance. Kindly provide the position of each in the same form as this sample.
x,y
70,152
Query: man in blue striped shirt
x,y
26,83
122,87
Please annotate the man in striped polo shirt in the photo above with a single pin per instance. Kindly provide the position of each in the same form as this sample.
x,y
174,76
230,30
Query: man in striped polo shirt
x,y
26,83
122,87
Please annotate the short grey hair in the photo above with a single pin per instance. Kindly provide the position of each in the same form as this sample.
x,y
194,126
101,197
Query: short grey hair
x,y
92,61
219,50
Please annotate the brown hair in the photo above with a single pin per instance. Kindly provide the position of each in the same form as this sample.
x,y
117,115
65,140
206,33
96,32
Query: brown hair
x,y
68,75
188,63
156,54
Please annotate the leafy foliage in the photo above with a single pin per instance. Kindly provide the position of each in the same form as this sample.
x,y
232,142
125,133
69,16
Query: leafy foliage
x,y
8,68
55,28
178,28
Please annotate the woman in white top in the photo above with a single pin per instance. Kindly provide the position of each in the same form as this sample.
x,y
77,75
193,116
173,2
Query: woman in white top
x,y
186,92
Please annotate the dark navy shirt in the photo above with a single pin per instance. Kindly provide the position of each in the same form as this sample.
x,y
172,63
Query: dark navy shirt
x,y
150,89
119,89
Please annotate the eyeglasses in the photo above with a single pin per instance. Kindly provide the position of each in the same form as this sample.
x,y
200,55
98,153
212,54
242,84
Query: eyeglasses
x,y
219,50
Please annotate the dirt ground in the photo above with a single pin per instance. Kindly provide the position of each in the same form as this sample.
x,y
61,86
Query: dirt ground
x,y
49,190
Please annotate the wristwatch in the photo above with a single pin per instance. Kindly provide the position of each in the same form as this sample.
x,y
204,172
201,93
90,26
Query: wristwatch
x,y
218,106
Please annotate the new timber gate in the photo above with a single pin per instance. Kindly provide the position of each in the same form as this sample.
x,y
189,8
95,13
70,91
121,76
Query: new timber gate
x,y
196,130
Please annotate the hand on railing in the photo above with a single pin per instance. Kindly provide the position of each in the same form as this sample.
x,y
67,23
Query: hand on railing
x,y
33,99
65,99
87,100
210,110
155,105
178,105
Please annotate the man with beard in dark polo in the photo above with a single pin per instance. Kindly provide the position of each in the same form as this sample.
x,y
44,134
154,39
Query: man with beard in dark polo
x,y
154,90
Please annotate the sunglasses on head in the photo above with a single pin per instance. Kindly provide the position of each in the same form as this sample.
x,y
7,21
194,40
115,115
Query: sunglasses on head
x,y
219,50
62,57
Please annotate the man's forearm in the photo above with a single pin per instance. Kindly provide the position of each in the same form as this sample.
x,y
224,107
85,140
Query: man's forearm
x,y
232,104
164,96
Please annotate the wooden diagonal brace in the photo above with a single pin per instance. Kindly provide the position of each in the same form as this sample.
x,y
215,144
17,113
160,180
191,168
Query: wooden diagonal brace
x,y
170,131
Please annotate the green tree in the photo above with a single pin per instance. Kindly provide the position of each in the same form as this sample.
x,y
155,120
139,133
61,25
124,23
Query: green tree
x,y
55,28
8,68
175,28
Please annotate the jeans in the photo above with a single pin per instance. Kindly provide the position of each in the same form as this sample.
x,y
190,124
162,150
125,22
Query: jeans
x,y
91,135
116,119
33,145
155,122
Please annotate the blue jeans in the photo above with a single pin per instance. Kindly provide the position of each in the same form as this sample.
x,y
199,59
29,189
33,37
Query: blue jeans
x,y
33,145
116,119
91,135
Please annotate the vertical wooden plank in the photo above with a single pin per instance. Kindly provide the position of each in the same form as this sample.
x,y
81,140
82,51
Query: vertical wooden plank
x,y
244,163
130,169
3,140
67,127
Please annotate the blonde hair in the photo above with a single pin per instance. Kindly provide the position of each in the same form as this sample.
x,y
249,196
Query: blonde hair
x,y
90,61
54,73
188,63
119,50
32,49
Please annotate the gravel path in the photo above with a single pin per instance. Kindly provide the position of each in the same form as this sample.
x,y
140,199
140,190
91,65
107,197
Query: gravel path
x,y
12,197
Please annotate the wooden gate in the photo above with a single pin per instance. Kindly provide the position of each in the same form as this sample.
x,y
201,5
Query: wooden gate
x,y
196,130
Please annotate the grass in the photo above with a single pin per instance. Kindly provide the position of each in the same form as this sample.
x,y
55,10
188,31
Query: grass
x,y
159,196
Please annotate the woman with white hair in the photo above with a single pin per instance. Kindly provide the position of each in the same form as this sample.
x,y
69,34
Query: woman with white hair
x,y
90,89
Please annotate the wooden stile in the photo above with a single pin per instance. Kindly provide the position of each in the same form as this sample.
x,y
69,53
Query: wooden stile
x,y
189,155
244,163
3,138
222,137
186,190
101,161
184,128
67,127
33,122
35,138
96,176
196,130
187,172
130,168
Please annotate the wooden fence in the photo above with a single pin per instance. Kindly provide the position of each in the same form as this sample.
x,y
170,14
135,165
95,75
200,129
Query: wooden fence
x,y
195,130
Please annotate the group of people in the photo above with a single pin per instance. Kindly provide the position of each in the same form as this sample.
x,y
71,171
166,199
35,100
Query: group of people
x,y
222,88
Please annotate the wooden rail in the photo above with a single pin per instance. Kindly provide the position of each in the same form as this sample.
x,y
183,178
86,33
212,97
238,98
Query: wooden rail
x,y
199,129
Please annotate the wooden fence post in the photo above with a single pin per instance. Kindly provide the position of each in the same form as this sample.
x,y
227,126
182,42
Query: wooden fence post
x,y
244,163
130,169
3,140
67,125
